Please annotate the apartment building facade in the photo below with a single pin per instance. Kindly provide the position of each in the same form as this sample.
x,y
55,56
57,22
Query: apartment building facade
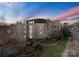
x,y
21,30
56,28
36,29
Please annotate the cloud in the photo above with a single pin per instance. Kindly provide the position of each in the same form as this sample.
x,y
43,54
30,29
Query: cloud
x,y
10,11
8,4
74,17
13,4
69,21
70,12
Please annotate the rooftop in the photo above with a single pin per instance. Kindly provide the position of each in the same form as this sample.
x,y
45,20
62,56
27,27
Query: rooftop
x,y
38,20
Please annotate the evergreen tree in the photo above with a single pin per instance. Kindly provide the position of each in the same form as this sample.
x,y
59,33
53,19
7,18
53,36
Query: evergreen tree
x,y
66,32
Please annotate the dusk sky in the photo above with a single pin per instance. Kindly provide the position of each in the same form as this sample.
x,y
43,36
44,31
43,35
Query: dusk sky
x,y
11,12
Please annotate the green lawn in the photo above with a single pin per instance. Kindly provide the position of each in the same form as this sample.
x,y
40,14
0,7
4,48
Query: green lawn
x,y
47,42
54,51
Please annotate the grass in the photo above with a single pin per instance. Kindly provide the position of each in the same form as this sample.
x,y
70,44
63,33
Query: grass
x,y
47,42
54,51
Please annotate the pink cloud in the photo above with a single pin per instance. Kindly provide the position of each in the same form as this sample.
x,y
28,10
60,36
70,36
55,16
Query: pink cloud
x,y
70,12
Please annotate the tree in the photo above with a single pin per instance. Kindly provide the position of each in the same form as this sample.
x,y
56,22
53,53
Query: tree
x,y
66,32
34,48
12,47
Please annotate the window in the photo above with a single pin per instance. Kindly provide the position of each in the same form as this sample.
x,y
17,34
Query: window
x,y
30,31
22,22
33,21
24,26
30,36
25,31
29,22
30,27
18,21
40,27
19,26
24,36
40,32
25,22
